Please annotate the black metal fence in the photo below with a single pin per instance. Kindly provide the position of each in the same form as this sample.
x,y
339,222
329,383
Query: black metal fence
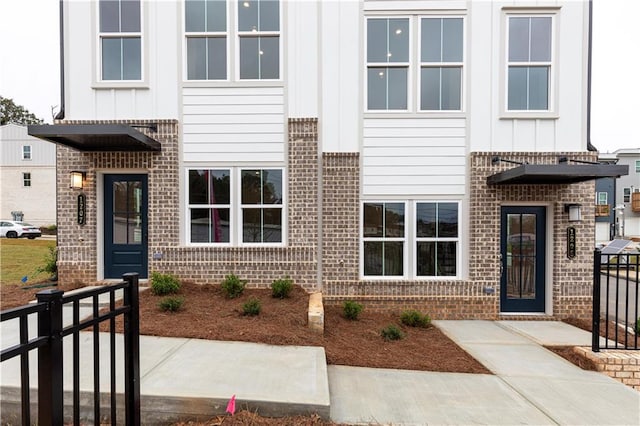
x,y
615,300
49,342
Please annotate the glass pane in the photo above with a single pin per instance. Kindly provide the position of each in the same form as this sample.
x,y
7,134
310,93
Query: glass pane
x,y
452,43
426,220
272,225
217,58
269,54
252,225
397,88
210,225
198,188
131,67
130,15
216,15
372,226
135,200
521,254
430,35
221,187
196,58
394,220
120,196
372,258
109,16
377,88
398,40
519,39
111,59
517,88
248,15
451,88
538,88
377,40
269,15
272,186
194,11
135,229
249,53
426,258
120,228
446,254
393,258
541,39
430,88
447,220
251,187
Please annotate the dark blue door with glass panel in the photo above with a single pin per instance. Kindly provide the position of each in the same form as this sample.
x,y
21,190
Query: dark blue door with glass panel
x,y
125,225
522,248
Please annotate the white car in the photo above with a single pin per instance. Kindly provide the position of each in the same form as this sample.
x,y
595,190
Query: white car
x,y
13,229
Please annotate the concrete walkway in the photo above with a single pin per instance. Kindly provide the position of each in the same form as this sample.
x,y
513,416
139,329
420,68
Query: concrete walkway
x,y
184,378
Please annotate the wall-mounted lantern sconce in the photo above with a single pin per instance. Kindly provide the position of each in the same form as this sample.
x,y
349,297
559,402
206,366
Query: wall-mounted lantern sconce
x,y
77,179
574,210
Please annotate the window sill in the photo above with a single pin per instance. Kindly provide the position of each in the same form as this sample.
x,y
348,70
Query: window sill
x,y
98,85
235,83
420,114
533,115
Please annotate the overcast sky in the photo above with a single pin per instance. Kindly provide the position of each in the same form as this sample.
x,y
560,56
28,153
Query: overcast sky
x,y
29,65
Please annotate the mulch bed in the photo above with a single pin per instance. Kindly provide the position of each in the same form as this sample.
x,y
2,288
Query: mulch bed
x,y
607,328
14,295
247,418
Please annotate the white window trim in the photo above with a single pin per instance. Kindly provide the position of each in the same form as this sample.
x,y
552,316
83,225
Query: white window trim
x,y
606,198
24,180
637,166
192,206
98,82
626,193
553,110
30,152
384,239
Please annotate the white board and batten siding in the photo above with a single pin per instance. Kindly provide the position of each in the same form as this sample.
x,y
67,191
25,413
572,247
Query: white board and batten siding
x,y
414,157
234,124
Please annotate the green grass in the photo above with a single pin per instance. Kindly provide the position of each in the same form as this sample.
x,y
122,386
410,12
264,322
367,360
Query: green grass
x,y
20,257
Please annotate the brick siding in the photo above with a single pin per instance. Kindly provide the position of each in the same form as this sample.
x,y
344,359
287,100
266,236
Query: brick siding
x,y
623,366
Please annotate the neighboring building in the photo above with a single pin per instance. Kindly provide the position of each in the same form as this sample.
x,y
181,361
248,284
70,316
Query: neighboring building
x,y
627,193
605,201
363,148
27,176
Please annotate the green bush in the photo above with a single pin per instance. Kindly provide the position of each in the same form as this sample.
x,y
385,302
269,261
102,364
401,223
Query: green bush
x,y
233,286
163,284
351,309
50,263
638,326
251,307
413,318
391,332
171,304
281,288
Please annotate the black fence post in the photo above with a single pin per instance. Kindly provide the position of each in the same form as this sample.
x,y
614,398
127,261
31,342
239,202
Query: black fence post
x,y
132,350
595,330
50,360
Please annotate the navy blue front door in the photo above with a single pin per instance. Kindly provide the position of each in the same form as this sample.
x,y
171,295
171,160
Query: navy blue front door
x,y
125,225
522,247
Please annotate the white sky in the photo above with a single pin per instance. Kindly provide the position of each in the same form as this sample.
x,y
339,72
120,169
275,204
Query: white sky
x,y
29,65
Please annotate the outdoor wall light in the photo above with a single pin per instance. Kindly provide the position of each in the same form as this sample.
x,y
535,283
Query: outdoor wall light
x,y
574,210
77,179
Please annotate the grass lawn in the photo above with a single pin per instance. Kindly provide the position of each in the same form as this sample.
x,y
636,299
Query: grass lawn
x,y
20,257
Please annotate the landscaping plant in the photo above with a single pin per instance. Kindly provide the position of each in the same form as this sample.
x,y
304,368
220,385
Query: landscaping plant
x,y
232,286
413,318
163,284
351,309
281,288
50,263
391,332
171,304
638,326
251,307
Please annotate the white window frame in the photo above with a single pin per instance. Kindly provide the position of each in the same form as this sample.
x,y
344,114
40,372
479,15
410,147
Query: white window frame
x,y
637,166
602,202
242,206
210,206
207,34
626,195
241,34
552,101
26,152
27,180
416,240
403,239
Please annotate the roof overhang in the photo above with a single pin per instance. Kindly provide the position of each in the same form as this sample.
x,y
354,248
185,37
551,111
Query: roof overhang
x,y
95,137
528,174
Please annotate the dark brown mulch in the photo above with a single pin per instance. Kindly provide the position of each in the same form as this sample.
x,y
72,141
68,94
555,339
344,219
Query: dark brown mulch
x,y
609,327
13,295
247,418
570,355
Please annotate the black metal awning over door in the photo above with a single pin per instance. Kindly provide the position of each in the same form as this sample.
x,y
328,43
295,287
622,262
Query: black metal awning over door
x,y
96,137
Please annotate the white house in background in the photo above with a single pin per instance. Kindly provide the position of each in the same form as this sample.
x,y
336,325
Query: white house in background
x,y
628,193
27,176
419,153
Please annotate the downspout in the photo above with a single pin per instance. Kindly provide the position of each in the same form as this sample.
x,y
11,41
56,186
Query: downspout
x,y
590,147
60,114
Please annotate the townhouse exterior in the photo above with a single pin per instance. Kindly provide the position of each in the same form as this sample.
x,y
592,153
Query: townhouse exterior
x,y
418,153
27,177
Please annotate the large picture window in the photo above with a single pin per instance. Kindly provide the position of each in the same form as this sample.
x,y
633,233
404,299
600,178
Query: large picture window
x,y
206,31
383,239
210,205
436,239
120,40
529,62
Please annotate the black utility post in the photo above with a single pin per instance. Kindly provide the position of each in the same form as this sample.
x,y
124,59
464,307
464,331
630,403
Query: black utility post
x,y
132,350
50,359
595,326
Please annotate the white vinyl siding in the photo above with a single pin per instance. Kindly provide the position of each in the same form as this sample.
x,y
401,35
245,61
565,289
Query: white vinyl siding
x,y
224,124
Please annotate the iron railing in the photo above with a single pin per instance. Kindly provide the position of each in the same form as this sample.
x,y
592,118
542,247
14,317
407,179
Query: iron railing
x,y
49,342
616,299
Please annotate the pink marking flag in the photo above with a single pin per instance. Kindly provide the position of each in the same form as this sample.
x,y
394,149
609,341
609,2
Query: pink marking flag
x,y
231,405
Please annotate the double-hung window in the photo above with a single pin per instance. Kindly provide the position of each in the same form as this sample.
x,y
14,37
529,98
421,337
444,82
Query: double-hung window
x,y
387,63
436,239
602,198
637,166
210,205
26,152
26,179
261,206
259,39
441,60
206,31
383,239
626,195
120,40
529,62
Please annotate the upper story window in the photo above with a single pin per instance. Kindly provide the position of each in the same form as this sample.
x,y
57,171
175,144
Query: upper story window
x,y
637,166
626,195
120,40
602,198
259,39
26,152
26,179
529,62
434,70
206,29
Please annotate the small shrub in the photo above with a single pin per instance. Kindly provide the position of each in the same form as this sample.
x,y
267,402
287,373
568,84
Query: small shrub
x,y
281,288
391,332
232,286
163,284
171,304
251,307
50,263
638,326
351,309
413,318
